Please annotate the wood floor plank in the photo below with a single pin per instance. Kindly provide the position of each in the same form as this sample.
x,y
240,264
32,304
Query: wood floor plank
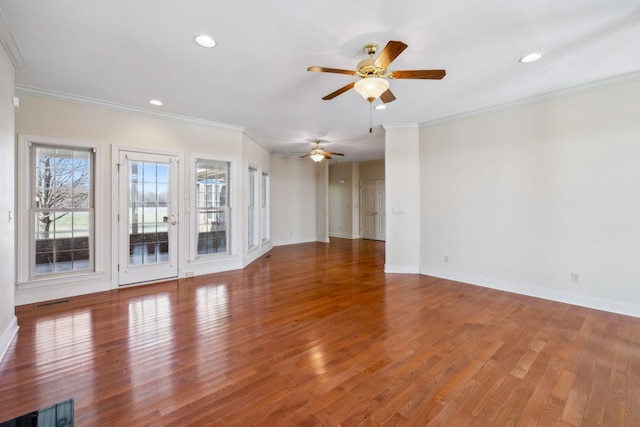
x,y
317,334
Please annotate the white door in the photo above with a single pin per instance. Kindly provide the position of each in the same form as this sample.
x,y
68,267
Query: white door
x,y
148,217
372,206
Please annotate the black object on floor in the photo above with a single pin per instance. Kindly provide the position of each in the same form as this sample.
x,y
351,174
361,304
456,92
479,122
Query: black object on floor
x,y
58,415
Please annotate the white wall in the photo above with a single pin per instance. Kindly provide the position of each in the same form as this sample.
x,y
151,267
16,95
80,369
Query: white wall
x,y
322,202
402,189
8,322
521,198
293,201
109,127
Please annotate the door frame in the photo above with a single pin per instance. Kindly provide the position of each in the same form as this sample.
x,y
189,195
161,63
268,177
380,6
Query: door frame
x,y
182,201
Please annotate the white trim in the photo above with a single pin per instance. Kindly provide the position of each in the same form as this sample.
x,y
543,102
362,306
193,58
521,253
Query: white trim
x,y
255,253
23,188
7,336
63,290
115,209
344,236
538,292
249,134
253,202
60,279
9,43
26,90
548,96
401,269
291,242
401,126
191,211
265,209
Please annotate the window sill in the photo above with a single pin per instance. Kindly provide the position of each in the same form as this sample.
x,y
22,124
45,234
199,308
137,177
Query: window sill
x,y
60,280
212,258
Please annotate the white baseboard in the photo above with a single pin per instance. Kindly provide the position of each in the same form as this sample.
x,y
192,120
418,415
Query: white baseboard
x,y
612,306
344,236
256,253
7,336
401,269
291,242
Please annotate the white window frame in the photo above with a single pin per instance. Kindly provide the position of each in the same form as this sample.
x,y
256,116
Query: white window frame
x,y
195,208
265,230
26,229
252,214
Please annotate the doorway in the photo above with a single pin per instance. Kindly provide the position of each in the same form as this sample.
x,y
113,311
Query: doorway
x,y
372,208
147,217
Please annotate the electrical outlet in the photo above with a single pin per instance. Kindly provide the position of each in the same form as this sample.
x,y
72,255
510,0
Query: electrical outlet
x,y
575,277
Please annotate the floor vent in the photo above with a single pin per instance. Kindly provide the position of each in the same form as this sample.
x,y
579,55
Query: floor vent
x,y
47,304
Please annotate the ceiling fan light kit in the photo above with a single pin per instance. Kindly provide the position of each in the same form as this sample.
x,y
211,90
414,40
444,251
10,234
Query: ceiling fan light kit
x,y
370,88
317,153
374,83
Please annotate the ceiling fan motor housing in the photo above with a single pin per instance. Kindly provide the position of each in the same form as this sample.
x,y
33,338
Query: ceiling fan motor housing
x,y
368,68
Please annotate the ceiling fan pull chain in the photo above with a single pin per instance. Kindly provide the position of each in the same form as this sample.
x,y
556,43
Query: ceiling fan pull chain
x,y
370,117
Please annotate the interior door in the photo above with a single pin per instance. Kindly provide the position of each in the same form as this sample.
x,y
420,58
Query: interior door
x,y
148,217
372,206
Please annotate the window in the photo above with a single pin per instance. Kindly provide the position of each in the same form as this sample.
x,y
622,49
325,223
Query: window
x,y
264,230
212,206
251,204
61,210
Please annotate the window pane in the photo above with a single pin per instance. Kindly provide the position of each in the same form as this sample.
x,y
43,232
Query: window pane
x,y
63,209
264,230
212,183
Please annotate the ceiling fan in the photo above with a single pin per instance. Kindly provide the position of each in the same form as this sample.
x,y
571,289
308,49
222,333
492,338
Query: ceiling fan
x,y
317,153
374,74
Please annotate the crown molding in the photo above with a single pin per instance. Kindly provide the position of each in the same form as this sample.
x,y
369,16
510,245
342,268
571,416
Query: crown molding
x,y
249,134
58,96
400,126
9,43
548,96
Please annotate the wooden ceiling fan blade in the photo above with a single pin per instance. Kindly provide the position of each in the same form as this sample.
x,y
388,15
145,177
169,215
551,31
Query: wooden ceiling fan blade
x,y
305,155
339,91
389,53
334,154
418,74
326,156
331,70
387,96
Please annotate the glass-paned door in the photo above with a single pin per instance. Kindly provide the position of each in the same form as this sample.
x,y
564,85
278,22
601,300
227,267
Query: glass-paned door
x,y
148,217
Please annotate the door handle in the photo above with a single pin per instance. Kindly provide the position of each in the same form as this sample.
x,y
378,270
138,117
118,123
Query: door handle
x,y
173,223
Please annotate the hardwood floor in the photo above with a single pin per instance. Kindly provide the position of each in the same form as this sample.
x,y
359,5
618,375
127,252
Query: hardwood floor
x,y
317,335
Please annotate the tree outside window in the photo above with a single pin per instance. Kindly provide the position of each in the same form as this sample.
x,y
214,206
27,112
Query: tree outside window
x,y
62,209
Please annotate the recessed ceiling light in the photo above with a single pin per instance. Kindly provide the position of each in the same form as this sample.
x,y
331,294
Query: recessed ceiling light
x,y
205,40
532,57
380,107
156,102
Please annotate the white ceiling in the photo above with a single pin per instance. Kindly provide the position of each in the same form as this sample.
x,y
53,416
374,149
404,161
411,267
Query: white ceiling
x,y
127,52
